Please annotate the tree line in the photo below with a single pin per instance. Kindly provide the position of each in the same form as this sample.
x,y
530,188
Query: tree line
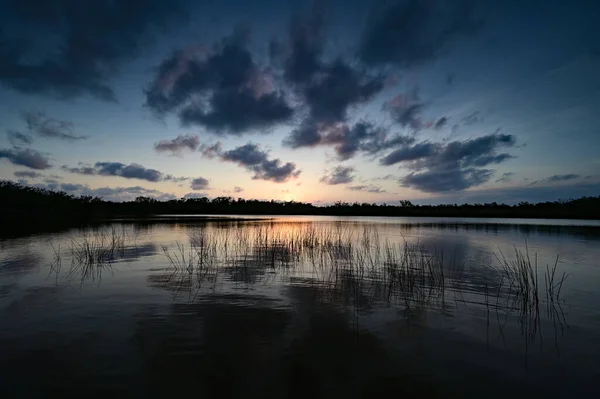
x,y
18,202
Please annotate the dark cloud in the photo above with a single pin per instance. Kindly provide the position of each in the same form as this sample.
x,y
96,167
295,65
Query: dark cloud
x,y
368,189
67,48
418,151
211,151
237,189
439,180
306,135
234,111
339,175
236,94
131,171
506,177
406,33
347,141
475,152
27,173
257,161
326,88
453,166
199,183
44,126
178,144
440,123
26,157
338,87
306,41
17,138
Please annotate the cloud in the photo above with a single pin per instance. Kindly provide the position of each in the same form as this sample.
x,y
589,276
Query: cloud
x,y
82,169
211,151
235,96
17,138
418,151
347,141
386,177
368,189
237,189
338,87
64,49
468,120
199,183
475,152
438,180
339,175
42,125
407,33
257,161
26,157
326,89
453,166
556,179
195,195
406,110
306,41
175,179
233,111
27,173
131,171
506,177
178,144
440,123
570,176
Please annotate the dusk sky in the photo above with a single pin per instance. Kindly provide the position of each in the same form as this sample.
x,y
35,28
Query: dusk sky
x,y
430,101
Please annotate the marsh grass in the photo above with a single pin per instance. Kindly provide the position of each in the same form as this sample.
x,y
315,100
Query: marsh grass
x,y
359,269
92,253
346,266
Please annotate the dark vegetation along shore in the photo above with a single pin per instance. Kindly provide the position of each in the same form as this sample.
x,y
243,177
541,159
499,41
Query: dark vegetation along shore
x,y
22,206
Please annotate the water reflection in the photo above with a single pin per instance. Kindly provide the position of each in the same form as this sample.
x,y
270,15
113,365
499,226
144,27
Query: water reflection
x,y
269,308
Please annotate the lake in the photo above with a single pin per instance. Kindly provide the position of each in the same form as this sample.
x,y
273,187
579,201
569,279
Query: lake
x,y
303,307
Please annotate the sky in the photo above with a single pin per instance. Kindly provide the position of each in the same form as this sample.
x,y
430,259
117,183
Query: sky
x,y
431,101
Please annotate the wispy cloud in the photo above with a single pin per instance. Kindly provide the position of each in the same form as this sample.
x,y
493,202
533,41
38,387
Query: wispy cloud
x,y
368,189
44,126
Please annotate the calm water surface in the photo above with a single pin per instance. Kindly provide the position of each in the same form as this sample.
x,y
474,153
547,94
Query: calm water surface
x,y
302,307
